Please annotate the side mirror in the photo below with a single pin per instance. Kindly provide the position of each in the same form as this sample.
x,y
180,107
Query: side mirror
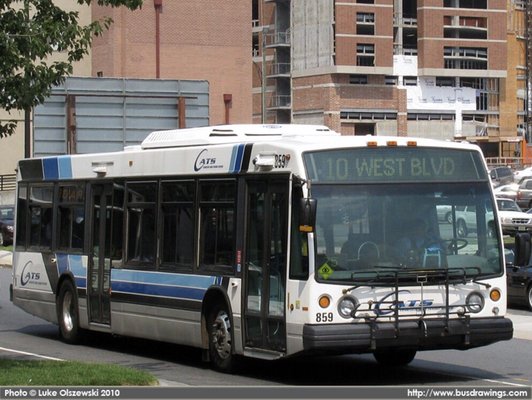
x,y
522,249
307,214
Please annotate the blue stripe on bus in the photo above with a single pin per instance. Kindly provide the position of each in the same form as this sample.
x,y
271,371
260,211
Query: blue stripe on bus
x,y
233,158
236,159
238,164
65,167
182,286
51,169
74,264
179,286
143,288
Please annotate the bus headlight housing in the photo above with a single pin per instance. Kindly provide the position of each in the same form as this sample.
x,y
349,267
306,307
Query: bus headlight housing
x,y
475,302
347,306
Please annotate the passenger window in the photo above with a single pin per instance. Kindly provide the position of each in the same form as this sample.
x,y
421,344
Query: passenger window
x,y
178,219
41,224
141,217
71,217
217,222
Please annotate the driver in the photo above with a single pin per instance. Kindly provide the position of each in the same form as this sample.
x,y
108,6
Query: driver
x,y
420,246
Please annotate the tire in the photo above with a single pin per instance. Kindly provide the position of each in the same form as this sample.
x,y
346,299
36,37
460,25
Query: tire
x,y
449,218
68,313
461,228
529,297
221,341
394,357
1,239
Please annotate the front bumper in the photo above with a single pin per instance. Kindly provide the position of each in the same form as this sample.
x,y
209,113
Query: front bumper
x,y
425,334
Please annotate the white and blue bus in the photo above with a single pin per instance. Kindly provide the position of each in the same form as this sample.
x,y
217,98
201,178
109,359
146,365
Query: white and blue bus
x,y
265,241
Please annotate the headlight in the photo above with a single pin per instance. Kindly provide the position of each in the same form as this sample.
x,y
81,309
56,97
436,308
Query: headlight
x,y
347,306
9,228
475,302
506,220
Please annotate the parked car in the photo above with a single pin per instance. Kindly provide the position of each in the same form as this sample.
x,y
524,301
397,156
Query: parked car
x,y
524,194
444,213
6,225
466,221
501,176
525,173
507,191
518,281
512,218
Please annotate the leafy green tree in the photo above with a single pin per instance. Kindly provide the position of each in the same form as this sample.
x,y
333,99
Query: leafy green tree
x,y
30,32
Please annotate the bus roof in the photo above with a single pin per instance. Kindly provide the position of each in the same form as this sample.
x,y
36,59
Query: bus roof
x,y
220,134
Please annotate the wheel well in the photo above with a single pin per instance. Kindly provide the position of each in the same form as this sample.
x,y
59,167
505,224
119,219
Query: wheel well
x,y
62,279
213,297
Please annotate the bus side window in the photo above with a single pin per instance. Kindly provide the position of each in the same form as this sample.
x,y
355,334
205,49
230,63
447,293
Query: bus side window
x,y
217,222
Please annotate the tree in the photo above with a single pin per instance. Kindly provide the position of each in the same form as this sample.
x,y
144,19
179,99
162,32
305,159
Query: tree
x,y
30,32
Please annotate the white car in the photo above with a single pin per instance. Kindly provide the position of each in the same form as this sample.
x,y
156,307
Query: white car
x,y
522,174
513,219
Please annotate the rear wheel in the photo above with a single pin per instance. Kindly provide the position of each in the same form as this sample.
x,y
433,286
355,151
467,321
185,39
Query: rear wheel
x,y
394,357
221,339
68,314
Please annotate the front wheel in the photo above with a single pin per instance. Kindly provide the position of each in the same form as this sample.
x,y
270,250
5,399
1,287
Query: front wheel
x,y
221,339
394,357
68,314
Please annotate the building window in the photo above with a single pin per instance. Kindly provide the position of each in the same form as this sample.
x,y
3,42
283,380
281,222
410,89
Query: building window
x,y
365,23
478,4
465,57
355,79
445,81
391,80
365,1
365,55
409,80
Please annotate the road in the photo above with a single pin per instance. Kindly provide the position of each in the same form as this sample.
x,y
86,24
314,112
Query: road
x,y
502,364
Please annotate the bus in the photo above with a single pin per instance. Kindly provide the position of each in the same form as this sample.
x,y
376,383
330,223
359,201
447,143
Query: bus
x,y
265,241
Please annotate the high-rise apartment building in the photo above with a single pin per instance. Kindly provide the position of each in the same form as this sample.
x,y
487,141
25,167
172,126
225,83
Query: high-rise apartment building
x,y
430,68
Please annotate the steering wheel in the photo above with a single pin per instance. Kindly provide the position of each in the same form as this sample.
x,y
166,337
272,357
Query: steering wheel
x,y
455,244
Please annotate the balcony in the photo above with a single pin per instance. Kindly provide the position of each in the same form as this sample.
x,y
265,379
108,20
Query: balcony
x,y
280,102
279,70
278,39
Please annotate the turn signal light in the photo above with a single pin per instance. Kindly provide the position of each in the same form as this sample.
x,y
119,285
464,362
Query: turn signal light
x,y
324,301
495,295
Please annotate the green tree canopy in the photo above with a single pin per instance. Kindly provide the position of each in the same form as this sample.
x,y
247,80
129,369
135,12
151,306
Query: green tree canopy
x,y
30,32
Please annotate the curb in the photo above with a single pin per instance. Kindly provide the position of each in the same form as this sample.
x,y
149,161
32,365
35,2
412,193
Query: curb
x,y
6,258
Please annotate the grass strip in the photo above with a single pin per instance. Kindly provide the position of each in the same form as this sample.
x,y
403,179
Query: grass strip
x,y
70,373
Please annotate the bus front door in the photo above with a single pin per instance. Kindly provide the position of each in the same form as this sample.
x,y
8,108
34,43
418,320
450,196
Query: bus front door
x,y
265,264
99,285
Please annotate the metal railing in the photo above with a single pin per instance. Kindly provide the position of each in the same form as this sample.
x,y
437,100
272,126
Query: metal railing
x,y
8,182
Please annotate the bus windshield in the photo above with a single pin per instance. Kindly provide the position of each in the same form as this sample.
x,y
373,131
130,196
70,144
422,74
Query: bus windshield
x,y
364,230
373,232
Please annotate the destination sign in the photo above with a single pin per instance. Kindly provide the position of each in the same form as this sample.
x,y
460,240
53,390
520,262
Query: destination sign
x,y
394,164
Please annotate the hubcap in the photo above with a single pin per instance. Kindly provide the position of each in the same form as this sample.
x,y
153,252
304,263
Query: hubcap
x,y
221,335
67,314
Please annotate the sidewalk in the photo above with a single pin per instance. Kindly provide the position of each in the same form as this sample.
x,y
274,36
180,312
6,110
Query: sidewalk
x,y
6,258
